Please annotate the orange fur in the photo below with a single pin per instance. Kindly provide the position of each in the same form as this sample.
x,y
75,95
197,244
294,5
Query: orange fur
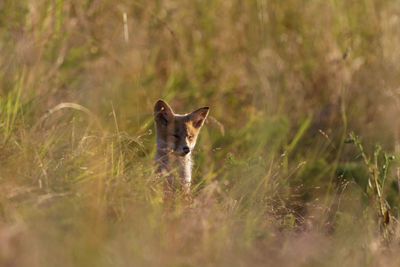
x,y
176,136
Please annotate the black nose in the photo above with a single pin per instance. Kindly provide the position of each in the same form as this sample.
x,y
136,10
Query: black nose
x,y
186,149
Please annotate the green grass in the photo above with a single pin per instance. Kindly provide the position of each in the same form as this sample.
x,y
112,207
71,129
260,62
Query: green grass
x,y
273,182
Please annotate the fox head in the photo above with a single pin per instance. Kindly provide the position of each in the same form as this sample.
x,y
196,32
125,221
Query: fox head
x,y
177,133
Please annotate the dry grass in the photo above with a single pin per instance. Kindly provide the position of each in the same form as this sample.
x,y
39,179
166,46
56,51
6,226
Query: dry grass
x,y
274,183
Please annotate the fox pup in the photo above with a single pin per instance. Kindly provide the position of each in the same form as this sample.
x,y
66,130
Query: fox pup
x,y
176,136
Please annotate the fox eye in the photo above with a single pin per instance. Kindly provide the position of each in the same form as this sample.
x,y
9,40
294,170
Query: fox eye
x,y
176,136
190,137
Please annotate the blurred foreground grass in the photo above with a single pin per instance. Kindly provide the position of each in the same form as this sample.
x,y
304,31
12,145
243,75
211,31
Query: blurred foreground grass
x,y
274,182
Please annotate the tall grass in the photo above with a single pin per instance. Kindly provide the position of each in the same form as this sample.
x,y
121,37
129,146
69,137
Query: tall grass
x,y
286,81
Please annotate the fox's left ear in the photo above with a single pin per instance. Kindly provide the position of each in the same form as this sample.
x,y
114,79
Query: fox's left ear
x,y
198,116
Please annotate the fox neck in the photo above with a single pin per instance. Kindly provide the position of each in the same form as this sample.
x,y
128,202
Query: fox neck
x,y
168,162
185,168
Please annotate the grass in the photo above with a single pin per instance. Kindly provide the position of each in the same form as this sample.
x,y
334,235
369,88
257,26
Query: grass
x,y
274,182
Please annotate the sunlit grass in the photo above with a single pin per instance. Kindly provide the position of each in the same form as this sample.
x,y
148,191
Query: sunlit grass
x,y
273,182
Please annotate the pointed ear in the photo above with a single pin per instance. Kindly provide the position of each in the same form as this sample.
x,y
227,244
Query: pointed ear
x,y
162,112
198,116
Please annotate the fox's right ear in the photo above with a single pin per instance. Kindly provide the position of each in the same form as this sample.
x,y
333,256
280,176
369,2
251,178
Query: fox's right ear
x,y
162,112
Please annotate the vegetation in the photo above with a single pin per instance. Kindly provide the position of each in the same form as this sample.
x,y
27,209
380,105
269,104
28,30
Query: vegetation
x,y
275,183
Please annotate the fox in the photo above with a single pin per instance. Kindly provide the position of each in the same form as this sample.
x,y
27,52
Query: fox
x,y
176,136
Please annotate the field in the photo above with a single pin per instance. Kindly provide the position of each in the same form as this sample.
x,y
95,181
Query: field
x,y
296,165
